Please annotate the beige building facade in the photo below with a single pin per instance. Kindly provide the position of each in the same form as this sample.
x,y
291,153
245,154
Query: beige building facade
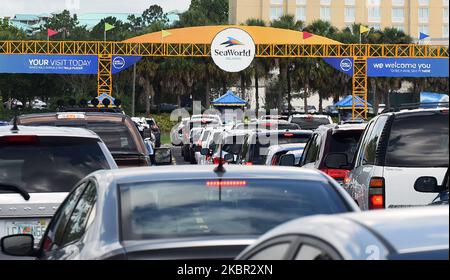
x,y
411,16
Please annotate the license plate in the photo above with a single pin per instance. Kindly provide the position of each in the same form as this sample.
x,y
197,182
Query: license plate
x,y
36,227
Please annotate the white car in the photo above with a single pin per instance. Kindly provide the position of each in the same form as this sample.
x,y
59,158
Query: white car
x,y
395,234
37,104
394,151
276,151
38,168
210,138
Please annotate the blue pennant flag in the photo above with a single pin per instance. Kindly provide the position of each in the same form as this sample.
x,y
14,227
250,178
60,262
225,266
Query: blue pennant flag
x,y
423,36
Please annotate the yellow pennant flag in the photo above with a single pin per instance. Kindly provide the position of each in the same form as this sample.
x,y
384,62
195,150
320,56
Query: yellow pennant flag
x,y
363,29
165,33
108,26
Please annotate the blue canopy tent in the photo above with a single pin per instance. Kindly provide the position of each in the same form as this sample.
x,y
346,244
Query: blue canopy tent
x,y
344,106
229,100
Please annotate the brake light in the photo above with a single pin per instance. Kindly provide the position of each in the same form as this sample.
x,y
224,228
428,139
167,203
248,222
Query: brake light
x,y
288,134
339,174
20,139
217,160
249,163
376,193
226,183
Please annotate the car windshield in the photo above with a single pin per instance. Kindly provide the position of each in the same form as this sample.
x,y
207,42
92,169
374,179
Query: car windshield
x,y
310,123
413,137
345,142
173,209
53,164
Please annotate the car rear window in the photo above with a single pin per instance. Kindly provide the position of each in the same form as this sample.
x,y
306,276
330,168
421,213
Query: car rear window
x,y
261,148
52,164
115,135
310,123
345,142
173,209
419,141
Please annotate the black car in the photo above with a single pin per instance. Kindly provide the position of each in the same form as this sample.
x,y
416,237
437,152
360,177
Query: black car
x,y
256,145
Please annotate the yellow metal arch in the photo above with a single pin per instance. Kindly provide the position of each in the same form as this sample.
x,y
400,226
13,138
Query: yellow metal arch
x,y
105,51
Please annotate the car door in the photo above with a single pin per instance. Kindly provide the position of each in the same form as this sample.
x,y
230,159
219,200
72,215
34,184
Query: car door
x,y
312,152
69,239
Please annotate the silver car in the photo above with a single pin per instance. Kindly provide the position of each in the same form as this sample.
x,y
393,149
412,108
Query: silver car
x,y
180,212
414,233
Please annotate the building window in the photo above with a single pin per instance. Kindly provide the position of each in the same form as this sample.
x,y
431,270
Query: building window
x,y
424,2
398,15
445,15
423,28
276,13
374,14
399,27
276,2
445,31
325,2
398,2
423,15
349,14
373,2
301,13
350,2
325,13
300,2
445,3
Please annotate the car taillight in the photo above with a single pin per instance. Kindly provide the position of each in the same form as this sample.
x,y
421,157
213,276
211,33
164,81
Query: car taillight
x,y
20,139
376,193
288,134
249,163
338,174
226,183
217,160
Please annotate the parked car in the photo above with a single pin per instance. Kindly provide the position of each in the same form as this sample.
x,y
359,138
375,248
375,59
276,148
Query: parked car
x,y
395,234
117,130
12,103
256,146
395,150
37,104
39,166
277,151
329,143
2,123
179,212
310,122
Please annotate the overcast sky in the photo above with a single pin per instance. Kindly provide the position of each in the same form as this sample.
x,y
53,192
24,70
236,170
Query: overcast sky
x,y
12,7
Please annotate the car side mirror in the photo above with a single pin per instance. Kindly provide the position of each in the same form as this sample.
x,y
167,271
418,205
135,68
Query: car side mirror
x,y
163,156
19,245
205,152
337,161
427,185
287,160
228,158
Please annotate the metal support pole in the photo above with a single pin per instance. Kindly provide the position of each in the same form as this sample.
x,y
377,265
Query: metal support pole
x,y
133,94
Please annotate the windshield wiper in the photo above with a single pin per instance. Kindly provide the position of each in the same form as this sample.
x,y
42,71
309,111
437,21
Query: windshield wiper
x,y
16,189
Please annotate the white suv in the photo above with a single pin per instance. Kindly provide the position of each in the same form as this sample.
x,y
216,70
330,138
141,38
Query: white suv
x,y
394,151
38,168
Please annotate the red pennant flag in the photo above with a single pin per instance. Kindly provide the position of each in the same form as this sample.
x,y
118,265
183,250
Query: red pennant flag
x,y
51,32
307,35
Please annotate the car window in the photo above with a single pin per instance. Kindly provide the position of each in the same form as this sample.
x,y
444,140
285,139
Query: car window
x,y
308,252
345,142
412,137
373,140
77,223
310,123
50,164
313,150
55,231
362,146
273,252
188,208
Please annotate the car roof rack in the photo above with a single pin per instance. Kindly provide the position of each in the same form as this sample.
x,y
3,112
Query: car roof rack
x,y
419,105
91,109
